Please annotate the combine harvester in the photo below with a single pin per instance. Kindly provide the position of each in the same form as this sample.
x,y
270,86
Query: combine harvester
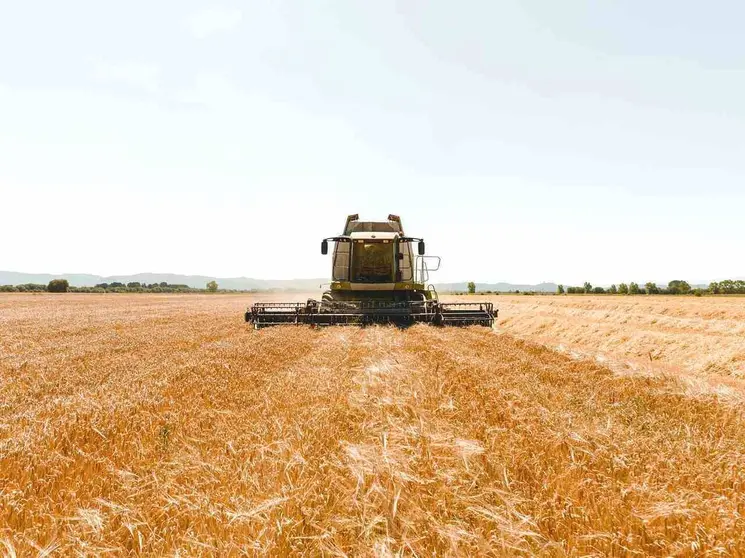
x,y
376,279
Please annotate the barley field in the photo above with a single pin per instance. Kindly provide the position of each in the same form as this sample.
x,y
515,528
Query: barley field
x,y
163,425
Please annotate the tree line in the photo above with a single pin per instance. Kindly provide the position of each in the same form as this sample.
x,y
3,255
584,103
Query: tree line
x,y
676,287
63,286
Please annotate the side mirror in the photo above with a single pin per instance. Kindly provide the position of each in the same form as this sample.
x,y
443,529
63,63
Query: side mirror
x,y
324,247
421,247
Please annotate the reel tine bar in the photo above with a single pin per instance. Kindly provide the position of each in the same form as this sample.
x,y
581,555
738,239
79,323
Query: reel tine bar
x,y
368,312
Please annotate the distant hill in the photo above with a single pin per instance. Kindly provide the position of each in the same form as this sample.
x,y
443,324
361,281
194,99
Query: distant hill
x,y
247,284
76,279
237,283
498,287
194,281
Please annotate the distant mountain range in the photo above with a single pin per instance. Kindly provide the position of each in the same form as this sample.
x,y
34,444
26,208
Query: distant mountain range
x,y
195,281
247,284
237,283
497,287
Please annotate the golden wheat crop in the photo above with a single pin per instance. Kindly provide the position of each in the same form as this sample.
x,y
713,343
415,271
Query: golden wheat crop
x,y
162,425
696,337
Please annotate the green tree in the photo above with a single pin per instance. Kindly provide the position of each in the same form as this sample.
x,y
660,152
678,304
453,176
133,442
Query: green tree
x,y
560,289
588,287
651,288
714,288
727,286
623,289
58,286
212,286
678,287
471,287
598,290
613,289
634,288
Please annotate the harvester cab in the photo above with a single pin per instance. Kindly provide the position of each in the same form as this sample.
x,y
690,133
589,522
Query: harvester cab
x,y
376,277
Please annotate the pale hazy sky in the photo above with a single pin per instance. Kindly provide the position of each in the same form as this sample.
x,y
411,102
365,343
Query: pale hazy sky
x,y
525,140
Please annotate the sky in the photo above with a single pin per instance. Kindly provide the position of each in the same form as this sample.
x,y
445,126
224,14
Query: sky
x,y
526,141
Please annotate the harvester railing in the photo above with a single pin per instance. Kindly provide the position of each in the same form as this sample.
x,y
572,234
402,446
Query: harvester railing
x,y
422,267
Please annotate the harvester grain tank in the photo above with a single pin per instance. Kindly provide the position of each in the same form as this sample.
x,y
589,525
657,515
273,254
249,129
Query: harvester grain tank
x,y
379,275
